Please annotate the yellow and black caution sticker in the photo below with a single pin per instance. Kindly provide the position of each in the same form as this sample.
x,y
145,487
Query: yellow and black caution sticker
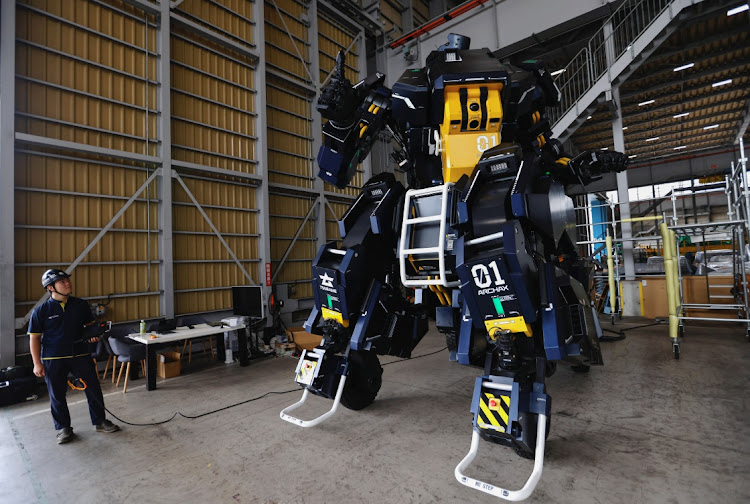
x,y
493,412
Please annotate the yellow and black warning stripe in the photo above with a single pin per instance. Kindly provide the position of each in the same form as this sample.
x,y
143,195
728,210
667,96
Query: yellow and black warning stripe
x,y
493,412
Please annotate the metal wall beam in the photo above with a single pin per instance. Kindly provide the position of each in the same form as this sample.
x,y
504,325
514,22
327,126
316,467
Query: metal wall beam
x,y
7,176
212,35
41,141
164,126
219,171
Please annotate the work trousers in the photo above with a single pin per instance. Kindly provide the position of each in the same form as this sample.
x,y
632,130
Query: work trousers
x,y
57,371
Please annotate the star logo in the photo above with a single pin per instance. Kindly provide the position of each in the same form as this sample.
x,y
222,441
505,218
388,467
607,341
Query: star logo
x,y
326,280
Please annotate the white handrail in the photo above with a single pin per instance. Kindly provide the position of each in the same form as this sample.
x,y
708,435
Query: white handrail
x,y
502,493
315,421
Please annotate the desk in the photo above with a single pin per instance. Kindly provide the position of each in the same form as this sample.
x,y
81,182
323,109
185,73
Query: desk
x,y
183,333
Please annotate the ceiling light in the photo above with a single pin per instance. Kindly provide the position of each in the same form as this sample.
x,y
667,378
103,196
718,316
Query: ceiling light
x,y
624,128
684,114
652,139
647,102
589,117
711,127
721,83
680,147
557,72
605,148
684,67
634,155
737,10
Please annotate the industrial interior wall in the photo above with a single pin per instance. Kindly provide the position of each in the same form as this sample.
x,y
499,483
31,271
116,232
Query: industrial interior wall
x,y
389,13
493,24
85,73
213,124
290,101
421,12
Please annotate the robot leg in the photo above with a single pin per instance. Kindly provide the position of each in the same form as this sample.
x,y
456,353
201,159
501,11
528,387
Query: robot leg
x,y
359,309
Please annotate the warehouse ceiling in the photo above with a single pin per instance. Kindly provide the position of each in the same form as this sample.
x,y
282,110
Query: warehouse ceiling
x,y
690,96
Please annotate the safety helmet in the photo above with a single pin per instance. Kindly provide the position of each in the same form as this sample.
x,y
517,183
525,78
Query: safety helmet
x,y
53,275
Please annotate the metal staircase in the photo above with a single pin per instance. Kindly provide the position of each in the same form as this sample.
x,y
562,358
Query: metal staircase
x,y
633,32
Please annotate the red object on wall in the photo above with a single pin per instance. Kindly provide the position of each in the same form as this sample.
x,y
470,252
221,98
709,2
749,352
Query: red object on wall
x,y
268,274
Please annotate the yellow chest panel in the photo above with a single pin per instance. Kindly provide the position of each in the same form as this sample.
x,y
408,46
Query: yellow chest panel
x,y
471,124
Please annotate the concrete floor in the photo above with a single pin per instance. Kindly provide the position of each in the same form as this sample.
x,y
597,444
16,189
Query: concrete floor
x,y
642,429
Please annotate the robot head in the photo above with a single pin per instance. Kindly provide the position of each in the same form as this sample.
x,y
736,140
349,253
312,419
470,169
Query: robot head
x,y
456,42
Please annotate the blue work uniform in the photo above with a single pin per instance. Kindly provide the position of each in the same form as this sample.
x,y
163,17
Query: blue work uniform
x,y
61,325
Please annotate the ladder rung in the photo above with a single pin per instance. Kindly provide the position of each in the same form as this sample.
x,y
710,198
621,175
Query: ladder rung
x,y
416,251
428,218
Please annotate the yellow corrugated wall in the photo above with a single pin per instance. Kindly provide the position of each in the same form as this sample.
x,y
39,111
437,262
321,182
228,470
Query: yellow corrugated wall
x,y
290,143
213,124
83,76
87,73
290,146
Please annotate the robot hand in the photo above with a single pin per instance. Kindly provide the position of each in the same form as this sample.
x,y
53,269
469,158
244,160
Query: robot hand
x,y
339,99
591,165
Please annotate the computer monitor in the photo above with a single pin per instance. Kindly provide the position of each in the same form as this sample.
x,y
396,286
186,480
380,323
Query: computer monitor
x,y
248,301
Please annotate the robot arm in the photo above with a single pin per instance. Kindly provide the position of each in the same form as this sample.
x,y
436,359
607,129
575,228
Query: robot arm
x,y
589,166
356,114
533,90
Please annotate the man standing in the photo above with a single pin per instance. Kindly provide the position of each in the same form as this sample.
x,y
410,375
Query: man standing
x,y
56,332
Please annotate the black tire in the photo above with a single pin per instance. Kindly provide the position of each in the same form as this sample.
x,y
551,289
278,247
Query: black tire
x,y
550,368
529,455
364,380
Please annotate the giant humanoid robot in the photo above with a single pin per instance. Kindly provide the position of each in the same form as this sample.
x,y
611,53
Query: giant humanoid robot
x,y
484,229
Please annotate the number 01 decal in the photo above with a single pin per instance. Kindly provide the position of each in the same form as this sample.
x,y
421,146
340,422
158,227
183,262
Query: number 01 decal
x,y
485,142
482,276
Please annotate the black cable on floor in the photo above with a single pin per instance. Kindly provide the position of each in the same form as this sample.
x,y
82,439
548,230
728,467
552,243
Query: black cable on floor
x,y
621,333
193,417
417,357
608,339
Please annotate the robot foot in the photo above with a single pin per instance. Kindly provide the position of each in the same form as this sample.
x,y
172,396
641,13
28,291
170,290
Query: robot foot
x,y
499,418
352,380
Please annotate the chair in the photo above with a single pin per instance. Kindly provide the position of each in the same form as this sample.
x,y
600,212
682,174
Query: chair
x,y
190,320
103,349
127,353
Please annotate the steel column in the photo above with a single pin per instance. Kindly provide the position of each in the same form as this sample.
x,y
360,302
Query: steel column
x,y
362,64
317,127
164,127
262,199
7,170
626,228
